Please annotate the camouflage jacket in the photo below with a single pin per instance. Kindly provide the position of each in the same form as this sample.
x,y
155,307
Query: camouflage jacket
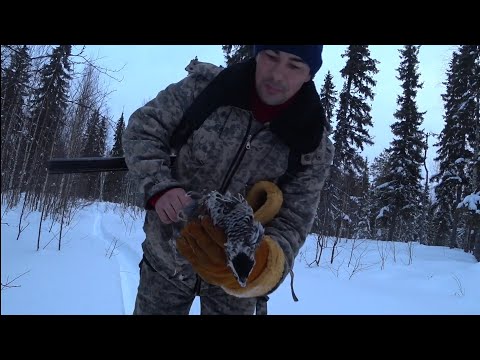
x,y
230,148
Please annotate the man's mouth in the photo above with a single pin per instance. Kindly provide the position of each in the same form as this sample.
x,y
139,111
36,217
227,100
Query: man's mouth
x,y
271,89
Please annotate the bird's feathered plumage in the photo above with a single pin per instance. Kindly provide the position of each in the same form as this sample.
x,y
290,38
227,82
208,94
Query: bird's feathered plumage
x,y
235,217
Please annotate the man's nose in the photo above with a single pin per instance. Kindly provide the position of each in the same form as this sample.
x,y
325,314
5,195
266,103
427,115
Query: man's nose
x,y
278,71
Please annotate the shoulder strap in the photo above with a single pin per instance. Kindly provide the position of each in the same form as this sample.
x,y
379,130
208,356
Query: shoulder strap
x,y
294,166
195,115
225,89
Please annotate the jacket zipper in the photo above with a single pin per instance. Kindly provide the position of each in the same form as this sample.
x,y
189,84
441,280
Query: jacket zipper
x,y
246,145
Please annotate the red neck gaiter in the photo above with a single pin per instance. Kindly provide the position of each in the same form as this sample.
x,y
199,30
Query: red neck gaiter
x,y
265,113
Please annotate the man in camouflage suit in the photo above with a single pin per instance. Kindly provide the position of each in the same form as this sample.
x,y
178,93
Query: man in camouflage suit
x,y
252,117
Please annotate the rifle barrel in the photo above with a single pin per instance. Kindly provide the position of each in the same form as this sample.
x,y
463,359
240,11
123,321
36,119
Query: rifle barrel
x,y
86,165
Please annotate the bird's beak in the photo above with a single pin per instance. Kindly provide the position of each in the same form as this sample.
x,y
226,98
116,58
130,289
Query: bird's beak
x,y
242,266
242,281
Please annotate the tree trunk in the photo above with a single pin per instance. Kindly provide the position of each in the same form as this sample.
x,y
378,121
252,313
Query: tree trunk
x,y
40,227
476,240
425,207
61,224
453,234
392,227
21,218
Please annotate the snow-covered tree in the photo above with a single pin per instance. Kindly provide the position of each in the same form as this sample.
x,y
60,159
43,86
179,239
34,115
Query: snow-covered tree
x,y
237,53
47,120
328,97
352,130
457,141
400,183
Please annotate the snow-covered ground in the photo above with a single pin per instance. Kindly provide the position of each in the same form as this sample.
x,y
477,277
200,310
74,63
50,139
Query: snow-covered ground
x,y
96,271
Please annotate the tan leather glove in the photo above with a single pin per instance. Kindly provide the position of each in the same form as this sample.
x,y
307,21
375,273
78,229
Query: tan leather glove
x,y
202,244
266,199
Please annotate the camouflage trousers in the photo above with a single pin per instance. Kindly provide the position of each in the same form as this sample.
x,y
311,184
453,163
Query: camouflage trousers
x,y
159,295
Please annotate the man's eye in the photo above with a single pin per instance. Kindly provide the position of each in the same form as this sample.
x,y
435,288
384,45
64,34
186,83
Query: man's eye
x,y
294,67
271,56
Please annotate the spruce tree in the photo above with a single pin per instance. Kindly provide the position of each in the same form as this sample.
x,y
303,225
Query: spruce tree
x,y
380,191
351,133
362,205
47,118
14,90
353,116
455,143
15,80
475,163
94,146
324,219
328,97
469,207
237,53
115,181
403,195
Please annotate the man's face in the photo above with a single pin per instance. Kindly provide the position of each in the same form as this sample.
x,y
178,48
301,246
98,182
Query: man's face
x,y
279,75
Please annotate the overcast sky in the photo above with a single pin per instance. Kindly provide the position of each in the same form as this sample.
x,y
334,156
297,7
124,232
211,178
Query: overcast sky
x,y
144,70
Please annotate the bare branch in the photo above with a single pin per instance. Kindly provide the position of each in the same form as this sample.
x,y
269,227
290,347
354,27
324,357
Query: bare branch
x,y
357,264
113,246
92,62
461,290
8,283
383,254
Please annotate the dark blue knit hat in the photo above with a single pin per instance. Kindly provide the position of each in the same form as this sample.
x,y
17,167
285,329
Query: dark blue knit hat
x,y
311,54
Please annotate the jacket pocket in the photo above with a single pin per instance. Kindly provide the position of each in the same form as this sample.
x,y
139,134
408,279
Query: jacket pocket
x,y
199,148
